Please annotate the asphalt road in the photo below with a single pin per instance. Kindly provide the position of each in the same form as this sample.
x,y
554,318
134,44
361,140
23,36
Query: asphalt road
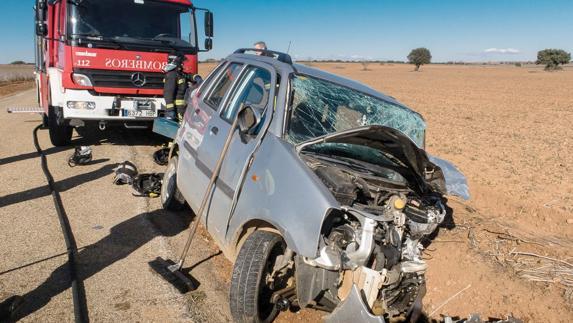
x,y
118,233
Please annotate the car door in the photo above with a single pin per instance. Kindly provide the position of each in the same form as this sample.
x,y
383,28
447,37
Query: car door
x,y
192,176
256,87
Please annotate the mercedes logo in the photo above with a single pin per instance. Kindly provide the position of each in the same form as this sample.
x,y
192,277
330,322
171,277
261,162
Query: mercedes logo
x,y
138,79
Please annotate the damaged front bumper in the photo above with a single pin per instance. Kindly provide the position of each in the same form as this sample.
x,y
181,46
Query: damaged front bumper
x,y
353,309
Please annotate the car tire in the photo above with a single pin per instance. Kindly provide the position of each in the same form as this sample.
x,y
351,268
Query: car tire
x,y
171,197
250,297
60,133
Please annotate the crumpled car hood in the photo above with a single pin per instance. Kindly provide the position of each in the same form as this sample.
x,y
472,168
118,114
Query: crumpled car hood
x,y
393,142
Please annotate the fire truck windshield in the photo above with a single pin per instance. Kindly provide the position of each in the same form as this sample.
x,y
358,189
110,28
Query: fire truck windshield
x,y
161,23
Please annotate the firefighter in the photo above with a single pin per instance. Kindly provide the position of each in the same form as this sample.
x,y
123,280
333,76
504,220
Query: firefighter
x,y
174,88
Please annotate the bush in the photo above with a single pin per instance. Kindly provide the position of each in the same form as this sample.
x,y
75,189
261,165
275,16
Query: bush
x,y
18,63
419,57
365,65
518,64
552,58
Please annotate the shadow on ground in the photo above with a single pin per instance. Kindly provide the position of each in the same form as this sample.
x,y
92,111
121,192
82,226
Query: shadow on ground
x,y
61,186
123,239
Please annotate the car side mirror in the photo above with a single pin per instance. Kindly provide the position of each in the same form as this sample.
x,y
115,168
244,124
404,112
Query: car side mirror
x,y
248,120
208,24
197,80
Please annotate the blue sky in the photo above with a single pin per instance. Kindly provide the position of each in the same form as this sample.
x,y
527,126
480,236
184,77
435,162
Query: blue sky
x,y
466,30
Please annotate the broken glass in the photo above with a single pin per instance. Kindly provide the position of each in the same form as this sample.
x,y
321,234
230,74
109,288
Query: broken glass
x,y
320,107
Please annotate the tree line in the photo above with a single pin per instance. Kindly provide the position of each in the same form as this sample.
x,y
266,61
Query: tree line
x,y
553,59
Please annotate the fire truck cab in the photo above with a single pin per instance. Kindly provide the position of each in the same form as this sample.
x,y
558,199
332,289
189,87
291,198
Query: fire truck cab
x,y
102,60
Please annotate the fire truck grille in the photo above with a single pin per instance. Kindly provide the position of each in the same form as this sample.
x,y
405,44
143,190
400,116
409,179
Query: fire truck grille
x,y
122,79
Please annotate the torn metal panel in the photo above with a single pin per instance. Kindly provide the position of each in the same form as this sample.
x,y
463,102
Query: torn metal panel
x,y
353,309
456,182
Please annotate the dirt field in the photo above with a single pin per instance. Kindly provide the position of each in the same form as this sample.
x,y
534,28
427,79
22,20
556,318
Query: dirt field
x,y
507,128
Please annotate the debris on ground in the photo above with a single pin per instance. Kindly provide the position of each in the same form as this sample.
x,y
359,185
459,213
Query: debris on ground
x,y
125,173
475,318
161,156
148,185
82,156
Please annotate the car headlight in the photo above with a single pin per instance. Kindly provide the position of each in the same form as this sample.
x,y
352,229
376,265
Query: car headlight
x,y
81,79
81,105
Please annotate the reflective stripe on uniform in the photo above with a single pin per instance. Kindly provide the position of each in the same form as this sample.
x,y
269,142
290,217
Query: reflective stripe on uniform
x,y
170,106
181,81
179,102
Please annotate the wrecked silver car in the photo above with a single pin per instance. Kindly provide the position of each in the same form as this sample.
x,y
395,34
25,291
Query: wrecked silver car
x,y
322,198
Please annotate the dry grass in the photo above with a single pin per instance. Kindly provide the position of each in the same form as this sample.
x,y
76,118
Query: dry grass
x,y
16,73
15,78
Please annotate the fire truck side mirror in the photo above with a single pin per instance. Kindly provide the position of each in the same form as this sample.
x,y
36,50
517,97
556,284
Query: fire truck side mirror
x,y
41,29
208,24
208,43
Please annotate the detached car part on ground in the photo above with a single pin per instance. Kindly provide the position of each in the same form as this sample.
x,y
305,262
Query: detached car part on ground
x,y
324,193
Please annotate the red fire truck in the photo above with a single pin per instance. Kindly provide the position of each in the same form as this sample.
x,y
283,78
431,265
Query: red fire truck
x,y
101,61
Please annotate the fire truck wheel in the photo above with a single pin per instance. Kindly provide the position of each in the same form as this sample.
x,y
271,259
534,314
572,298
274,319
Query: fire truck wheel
x,y
44,121
60,133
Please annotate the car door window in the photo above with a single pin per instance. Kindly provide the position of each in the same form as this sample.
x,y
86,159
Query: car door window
x,y
230,74
253,90
212,76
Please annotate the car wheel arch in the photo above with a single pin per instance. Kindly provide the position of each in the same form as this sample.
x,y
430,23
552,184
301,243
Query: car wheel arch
x,y
251,226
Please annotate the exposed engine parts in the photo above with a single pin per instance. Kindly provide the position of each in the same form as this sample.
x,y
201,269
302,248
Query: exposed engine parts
x,y
372,241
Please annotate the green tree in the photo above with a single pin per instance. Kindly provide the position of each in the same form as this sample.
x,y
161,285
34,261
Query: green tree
x,y
419,57
18,63
552,58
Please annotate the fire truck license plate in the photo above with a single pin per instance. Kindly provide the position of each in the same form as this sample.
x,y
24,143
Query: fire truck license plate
x,y
141,113
142,108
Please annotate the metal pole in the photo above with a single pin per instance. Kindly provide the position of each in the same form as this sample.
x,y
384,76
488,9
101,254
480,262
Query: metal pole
x,y
207,193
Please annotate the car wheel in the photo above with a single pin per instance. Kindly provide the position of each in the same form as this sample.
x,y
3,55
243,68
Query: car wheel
x,y
251,289
171,197
60,133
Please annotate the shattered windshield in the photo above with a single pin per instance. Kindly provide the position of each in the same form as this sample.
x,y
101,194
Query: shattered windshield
x,y
319,107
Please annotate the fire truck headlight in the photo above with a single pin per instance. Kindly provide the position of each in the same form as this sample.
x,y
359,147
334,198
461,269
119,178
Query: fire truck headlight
x,y
82,80
81,105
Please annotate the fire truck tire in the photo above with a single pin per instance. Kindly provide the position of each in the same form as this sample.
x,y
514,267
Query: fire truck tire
x,y
60,133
